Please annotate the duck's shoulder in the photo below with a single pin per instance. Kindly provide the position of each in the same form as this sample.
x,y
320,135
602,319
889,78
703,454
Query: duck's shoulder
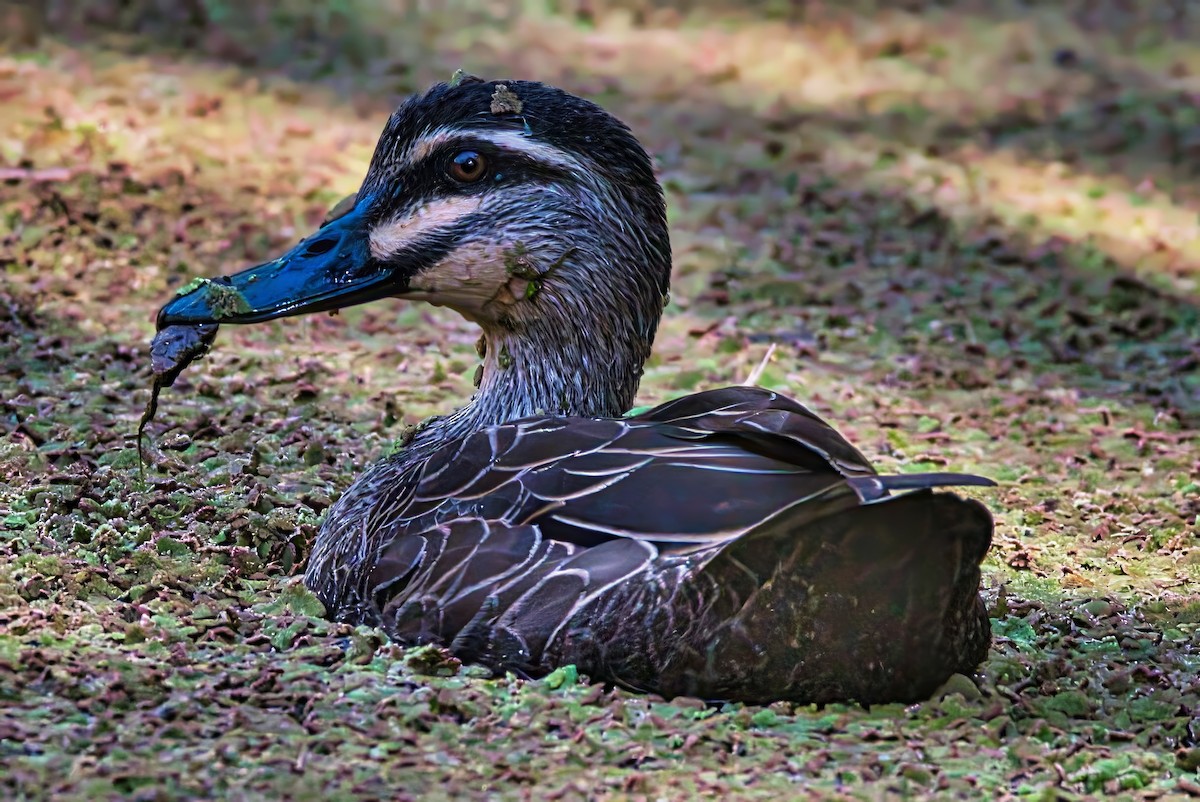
x,y
695,470
752,418
762,420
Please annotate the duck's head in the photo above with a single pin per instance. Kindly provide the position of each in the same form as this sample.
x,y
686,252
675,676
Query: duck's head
x,y
530,211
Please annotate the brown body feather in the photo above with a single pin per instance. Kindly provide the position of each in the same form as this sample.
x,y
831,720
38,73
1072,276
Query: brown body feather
x,y
729,545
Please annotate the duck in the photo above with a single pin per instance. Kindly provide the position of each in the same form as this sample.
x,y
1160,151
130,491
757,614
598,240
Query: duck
x,y
728,545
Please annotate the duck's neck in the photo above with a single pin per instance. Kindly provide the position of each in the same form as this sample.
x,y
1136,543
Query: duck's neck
x,y
568,365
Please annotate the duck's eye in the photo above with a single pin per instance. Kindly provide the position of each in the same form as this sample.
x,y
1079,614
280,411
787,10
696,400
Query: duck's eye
x,y
468,167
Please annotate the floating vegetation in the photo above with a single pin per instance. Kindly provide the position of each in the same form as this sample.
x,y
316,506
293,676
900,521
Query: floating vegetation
x,y
932,273
226,300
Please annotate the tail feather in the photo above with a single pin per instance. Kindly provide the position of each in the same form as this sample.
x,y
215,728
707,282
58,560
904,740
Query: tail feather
x,y
874,487
920,481
876,602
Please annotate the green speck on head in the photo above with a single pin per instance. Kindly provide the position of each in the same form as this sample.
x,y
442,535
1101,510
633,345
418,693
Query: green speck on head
x,y
191,286
532,289
461,76
505,359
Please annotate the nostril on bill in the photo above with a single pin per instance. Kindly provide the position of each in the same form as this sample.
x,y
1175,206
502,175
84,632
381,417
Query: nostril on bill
x,y
321,246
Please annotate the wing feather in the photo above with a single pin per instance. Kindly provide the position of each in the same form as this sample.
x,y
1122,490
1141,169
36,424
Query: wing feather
x,y
507,530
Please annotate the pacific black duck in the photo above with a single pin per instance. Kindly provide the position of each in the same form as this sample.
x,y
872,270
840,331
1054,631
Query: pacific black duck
x,y
727,545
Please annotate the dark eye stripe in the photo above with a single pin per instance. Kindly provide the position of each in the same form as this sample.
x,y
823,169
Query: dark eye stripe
x,y
512,158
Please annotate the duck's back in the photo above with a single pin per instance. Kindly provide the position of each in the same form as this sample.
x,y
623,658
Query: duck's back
x,y
727,545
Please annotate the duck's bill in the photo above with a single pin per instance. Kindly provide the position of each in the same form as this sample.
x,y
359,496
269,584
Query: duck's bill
x,y
331,269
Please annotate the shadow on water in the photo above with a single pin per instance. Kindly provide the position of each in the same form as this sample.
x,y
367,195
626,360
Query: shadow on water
x,y
1002,303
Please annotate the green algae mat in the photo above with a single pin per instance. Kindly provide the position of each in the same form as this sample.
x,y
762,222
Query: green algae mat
x,y
966,232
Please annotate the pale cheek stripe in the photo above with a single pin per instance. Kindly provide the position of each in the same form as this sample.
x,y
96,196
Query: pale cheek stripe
x,y
396,235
